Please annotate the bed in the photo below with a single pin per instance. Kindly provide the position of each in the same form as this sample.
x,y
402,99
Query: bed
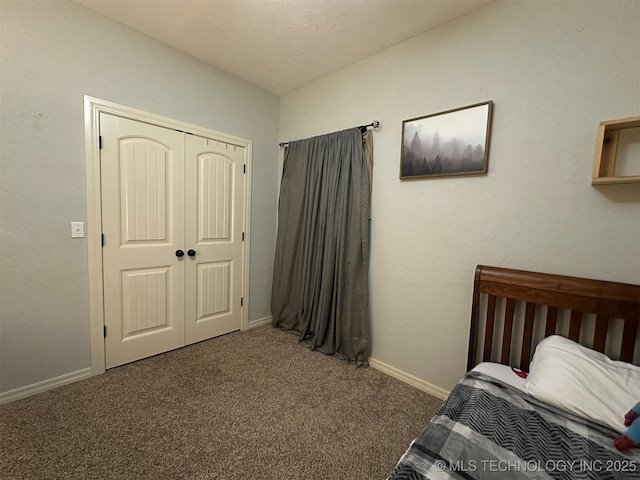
x,y
552,369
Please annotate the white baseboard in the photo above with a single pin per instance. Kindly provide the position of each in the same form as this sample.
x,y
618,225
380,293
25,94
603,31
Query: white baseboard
x,y
260,322
28,390
45,385
410,379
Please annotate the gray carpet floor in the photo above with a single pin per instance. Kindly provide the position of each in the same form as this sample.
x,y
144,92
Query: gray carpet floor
x,y
248,405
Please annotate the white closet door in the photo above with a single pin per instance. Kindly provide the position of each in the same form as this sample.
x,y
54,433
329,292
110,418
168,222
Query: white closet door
x,y
143,191
214,230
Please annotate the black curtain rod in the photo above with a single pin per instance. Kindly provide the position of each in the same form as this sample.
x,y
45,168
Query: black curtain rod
x,y
363,128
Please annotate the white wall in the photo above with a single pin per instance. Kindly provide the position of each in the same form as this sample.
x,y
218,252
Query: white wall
x,y
554,71
52,54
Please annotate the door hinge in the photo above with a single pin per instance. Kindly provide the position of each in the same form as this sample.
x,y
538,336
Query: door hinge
x,y
104,331
242,301
102,239
100,142
243,236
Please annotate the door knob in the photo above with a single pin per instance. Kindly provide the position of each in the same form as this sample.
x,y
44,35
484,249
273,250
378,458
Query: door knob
x,y
179,253
191,253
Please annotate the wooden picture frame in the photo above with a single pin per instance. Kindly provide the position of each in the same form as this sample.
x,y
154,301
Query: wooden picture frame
x,y
450,143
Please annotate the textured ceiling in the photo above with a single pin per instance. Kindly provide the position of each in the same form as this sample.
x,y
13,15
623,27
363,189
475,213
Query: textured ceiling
x,y
281,45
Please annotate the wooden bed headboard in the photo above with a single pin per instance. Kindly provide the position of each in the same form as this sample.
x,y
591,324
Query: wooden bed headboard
x,y
601,315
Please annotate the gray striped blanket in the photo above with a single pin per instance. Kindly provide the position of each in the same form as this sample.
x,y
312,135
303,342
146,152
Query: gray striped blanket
x,y
489,430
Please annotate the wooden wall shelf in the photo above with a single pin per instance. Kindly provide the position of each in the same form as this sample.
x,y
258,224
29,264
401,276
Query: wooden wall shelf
x,y
604,164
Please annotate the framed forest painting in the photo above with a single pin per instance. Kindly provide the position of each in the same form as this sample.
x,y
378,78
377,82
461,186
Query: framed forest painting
x,y
454,142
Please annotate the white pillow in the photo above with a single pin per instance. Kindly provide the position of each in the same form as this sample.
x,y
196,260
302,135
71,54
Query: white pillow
x,y
583,382
504,373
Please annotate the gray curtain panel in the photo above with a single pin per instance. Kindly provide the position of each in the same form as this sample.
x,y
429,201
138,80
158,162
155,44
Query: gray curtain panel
x,y
321,271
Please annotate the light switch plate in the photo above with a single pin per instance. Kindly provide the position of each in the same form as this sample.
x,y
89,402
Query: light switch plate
x,y
77,229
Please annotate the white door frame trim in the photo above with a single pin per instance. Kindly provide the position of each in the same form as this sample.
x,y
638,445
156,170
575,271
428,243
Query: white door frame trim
x,y
92,109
